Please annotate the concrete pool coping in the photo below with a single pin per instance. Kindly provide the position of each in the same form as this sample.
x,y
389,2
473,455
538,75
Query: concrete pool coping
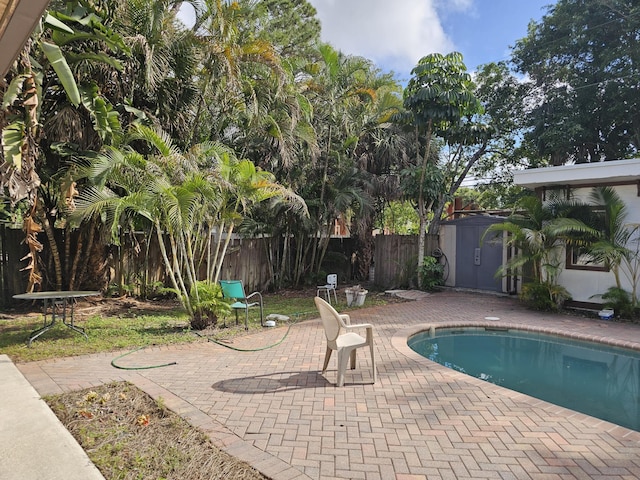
x,y
400,342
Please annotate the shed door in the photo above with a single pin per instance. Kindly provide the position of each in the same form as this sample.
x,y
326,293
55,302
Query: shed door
x,y
477,264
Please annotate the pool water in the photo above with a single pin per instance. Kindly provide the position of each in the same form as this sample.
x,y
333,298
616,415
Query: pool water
x,y
595,379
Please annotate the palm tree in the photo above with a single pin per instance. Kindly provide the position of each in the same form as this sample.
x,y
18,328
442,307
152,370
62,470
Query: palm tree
x,y
157,85
380,154
350,98
246,187
618,245
234,60
182,196
165,190
541,231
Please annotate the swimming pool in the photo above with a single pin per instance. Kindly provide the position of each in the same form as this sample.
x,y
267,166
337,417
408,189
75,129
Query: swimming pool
x,y
599,380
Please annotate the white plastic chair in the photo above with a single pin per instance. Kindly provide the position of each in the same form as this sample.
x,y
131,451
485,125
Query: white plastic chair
x,y
331,286
339,338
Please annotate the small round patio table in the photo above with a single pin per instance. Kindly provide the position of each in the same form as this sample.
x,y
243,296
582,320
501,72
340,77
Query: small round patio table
x,y
58,302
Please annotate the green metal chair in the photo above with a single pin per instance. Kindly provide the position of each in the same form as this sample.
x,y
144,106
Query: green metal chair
x,y
234,290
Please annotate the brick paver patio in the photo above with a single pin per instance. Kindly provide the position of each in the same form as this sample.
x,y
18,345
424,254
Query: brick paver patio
x,y
274,409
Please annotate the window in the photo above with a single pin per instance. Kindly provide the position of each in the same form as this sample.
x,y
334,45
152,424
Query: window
x,y
579,259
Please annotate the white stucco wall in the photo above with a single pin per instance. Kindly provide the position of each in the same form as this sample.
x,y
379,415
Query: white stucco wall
x,y
448,247
584,284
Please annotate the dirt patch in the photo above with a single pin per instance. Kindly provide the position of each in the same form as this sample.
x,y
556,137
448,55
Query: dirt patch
x,y
128,435
126,306
102,306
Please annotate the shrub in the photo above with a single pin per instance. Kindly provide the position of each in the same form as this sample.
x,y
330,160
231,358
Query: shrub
x,y
544,296
431,274
207,302
620,300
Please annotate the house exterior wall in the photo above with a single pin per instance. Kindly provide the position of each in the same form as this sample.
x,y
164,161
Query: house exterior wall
x,y
586,285
623,176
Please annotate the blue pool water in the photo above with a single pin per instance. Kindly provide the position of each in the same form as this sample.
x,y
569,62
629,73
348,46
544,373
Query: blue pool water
x,y
595,379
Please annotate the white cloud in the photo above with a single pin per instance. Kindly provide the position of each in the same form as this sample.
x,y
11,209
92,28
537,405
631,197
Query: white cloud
x,y
462,5
394,34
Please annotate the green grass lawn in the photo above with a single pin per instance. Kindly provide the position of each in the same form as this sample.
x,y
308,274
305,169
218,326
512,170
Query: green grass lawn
x,y
133,328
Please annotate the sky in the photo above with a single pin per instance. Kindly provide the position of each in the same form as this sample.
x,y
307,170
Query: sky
x,y
396,34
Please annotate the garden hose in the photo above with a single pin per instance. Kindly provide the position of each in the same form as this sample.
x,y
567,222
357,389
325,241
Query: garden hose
x,y
230,347
210,339
113,362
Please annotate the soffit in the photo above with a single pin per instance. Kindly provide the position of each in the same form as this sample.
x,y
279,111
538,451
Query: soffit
x,y
601,173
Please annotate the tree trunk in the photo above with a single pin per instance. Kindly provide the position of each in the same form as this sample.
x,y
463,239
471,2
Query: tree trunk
x,y
76,258
53,246
67,253
434,226
223,253
271,259
96,261
214,262
172,275
422,214
365,258
324,245
321,207
422,211
283,260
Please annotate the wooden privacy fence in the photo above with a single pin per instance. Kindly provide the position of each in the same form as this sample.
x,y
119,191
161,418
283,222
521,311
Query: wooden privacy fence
x,y
137,264
396,259
12,249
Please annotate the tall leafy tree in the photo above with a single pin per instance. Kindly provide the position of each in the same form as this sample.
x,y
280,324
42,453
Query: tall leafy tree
x,y
157,85
437,98
183,196
380,154
234,63
352,104
291,26
583,61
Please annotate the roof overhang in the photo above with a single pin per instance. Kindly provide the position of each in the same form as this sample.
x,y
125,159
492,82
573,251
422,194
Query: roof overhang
x,y
584,174
17,20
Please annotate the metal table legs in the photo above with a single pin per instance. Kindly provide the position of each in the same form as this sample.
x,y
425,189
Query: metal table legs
x,y
55,304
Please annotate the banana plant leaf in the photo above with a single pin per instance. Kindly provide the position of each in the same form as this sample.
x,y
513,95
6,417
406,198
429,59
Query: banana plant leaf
x,y
55,24
14,90
12,141
61,67
105,119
